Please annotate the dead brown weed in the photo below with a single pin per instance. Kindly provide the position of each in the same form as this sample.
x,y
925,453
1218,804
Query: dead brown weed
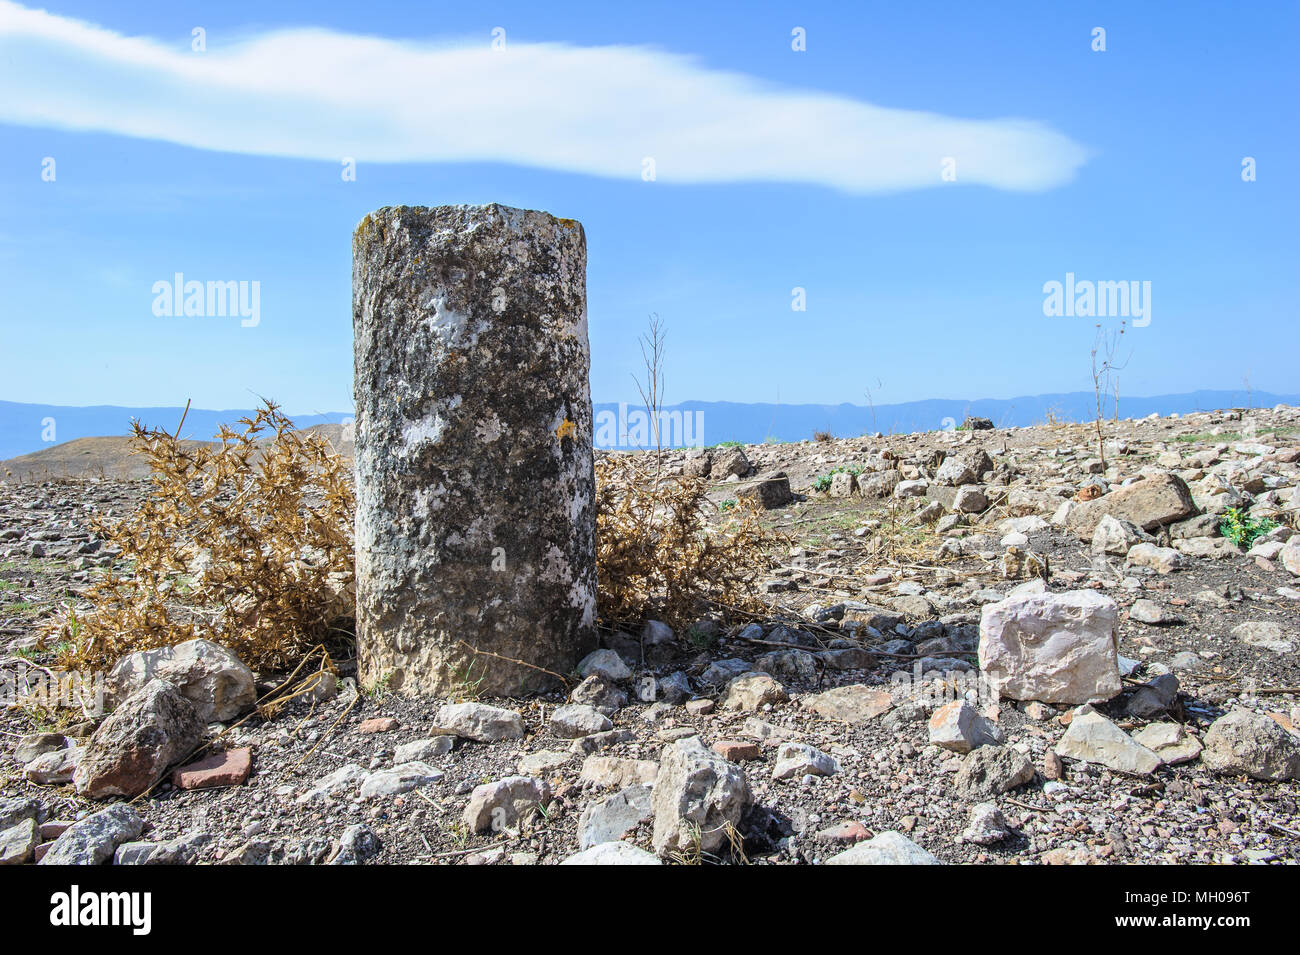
x,y
246,541
660,555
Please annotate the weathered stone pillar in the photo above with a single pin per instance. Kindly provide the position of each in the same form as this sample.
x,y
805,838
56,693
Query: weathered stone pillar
x,y
476,527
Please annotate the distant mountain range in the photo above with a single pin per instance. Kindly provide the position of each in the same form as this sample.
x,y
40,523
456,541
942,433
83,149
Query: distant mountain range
x,y
25,428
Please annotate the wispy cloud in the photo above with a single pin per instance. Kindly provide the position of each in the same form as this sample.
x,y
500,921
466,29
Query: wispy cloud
x,y
315,94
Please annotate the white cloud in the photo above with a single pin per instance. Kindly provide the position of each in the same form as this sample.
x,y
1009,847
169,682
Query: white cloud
x,y
314,94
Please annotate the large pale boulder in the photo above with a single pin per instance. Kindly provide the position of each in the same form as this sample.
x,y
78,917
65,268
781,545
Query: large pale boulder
x,y
212,678
505,803
481,722
697,795
476,519
888,848
1055,648
612,853
1247,744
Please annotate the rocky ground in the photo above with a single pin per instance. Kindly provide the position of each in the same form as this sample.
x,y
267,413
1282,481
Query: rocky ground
x,y
847,724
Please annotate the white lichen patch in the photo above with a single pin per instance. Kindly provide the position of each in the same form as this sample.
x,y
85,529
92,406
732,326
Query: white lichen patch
x,y
453,329
427,430
489,429
576,506
555,567
426,498
480,531
582,597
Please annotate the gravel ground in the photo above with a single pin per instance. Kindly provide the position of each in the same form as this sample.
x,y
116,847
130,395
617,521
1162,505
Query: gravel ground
x,y
845,549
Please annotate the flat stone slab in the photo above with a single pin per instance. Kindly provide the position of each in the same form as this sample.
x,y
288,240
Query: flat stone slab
x,y
850,704
230,768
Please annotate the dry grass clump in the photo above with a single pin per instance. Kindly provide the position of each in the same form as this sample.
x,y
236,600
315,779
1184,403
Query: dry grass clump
x,y
659,557
246,541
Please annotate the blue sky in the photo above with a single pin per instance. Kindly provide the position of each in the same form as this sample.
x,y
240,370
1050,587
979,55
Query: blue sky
x,y
1127,167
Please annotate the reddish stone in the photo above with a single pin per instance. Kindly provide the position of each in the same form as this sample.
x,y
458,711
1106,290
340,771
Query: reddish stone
x,y
1053,766
699,707
230,768
54,828
736,751
378,724
845,832
43,848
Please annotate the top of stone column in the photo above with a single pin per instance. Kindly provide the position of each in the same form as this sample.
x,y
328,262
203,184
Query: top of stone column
x,y
464,219
477,245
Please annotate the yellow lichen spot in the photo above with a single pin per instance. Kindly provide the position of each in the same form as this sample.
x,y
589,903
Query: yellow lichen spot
x,y
567,223
566,430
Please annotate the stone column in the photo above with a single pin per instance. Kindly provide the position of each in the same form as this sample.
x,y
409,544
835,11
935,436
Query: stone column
x,y
476,527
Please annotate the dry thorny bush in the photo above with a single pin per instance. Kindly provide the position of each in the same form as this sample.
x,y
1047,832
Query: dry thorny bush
x,y
246,541
657,554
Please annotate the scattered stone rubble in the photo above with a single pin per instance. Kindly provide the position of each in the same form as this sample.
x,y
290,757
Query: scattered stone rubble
x,y
1071,665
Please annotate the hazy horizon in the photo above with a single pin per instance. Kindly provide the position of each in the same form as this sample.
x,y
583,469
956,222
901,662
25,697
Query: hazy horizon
x,y
25,427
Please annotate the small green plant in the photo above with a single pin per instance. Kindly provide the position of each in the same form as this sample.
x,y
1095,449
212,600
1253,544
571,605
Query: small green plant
x,y
700,638
27,607
459,834
468,687
728,504
823,483
728,444
692,852
1243,531
1222,436
379,689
